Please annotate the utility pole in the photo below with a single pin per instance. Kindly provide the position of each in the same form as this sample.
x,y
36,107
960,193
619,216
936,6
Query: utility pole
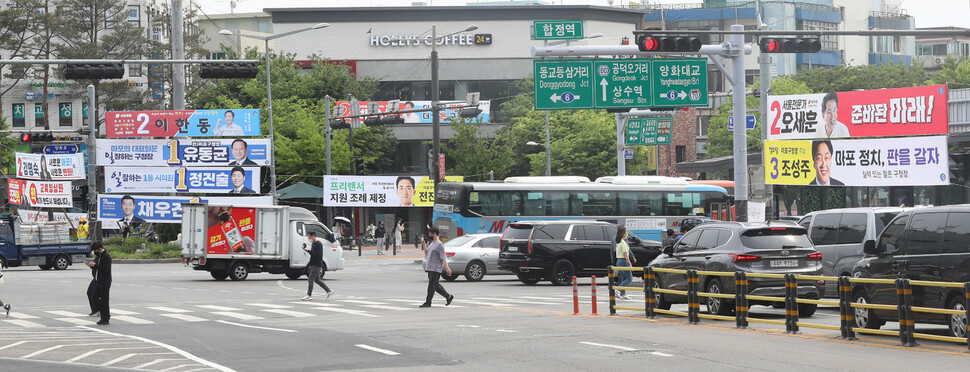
x,y
327,133
764,63
740,134
620,143
95,225
435,120
178,52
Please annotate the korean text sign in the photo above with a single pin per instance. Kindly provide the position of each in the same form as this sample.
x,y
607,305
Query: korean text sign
x,y
872,113
50,167
380,191
343,109
231,230
41,194
912,161
188,153
179,179
183,123
162,209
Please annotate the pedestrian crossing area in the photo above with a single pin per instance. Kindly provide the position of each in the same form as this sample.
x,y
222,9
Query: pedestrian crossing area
x,y
271,309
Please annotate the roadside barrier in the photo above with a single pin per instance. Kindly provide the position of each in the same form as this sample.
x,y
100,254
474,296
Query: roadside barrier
x,y
847,308
593,292
575,296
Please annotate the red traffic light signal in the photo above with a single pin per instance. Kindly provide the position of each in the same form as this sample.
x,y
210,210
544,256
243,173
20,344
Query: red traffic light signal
x,y
25,137
668,43
790,45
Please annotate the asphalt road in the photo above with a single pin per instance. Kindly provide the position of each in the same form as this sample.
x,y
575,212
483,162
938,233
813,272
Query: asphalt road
x,y
169,317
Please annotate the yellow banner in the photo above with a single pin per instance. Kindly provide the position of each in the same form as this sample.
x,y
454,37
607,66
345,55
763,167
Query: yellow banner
x,y
790,163
424,193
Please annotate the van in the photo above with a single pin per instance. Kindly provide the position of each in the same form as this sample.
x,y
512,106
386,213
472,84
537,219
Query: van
x,y
931,244
840,235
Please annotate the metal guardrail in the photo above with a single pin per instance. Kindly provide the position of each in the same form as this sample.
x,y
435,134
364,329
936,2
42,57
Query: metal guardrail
x,y
904,302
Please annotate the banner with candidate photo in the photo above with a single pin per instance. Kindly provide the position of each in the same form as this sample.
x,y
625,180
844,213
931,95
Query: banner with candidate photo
x,y
910,161
222,180
50,167
380,191
187,152
40,194
183,123
870,113
447,113
160,209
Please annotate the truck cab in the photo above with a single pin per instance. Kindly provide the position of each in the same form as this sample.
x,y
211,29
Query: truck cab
x,y
46,245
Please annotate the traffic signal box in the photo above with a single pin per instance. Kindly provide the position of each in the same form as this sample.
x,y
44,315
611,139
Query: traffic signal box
x,y
42,137
790,45
241,70
94,71
647,43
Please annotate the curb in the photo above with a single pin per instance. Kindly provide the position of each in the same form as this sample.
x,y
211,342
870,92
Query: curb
x,y
148,261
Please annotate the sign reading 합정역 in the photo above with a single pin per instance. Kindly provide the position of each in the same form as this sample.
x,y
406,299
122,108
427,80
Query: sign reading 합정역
x,y
183,123
161,209
380,191
189,153
181,179
557,30
50,167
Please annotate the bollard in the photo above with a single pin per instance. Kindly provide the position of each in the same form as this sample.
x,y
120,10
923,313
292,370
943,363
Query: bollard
x,y
901,308
739,309
593,290
845,308
791,304
575,296
743,291
910,320
649,297
609,271
693,300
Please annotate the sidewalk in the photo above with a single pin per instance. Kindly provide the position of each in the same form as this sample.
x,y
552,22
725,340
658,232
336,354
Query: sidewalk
x,y
370,252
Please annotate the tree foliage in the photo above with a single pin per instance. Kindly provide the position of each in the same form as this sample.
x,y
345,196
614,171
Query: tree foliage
x,y
721,140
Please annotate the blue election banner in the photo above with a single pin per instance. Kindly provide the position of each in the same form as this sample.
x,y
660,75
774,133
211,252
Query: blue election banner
x,y
183,123
222,180
188,152
161,209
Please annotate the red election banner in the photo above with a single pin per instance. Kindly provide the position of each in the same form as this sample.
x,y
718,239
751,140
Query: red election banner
x,y
872,113
183,123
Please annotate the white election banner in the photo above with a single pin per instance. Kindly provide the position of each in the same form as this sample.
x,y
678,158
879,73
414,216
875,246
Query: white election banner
x,y
380,191
41,194
50,167
160,209
181,179
188,152
31,216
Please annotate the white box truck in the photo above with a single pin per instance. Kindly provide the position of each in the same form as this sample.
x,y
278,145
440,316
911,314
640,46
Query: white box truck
x,y
231,241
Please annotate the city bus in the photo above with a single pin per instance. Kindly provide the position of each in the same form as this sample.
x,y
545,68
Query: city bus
x,y
647,205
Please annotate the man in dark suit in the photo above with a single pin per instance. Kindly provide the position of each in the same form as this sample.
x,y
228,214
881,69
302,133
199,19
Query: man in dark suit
x,y
240,153
822,157
238,177
101,269
128,209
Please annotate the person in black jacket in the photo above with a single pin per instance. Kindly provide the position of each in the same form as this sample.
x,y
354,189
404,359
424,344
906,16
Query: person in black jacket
x,y
316,266
380,233
101,269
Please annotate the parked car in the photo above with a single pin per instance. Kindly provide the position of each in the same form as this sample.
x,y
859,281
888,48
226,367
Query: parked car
x,y
559,249
751,247
932,244
473,255
840,235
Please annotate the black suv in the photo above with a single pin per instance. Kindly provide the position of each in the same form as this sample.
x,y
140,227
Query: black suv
x,y
558,250
931,244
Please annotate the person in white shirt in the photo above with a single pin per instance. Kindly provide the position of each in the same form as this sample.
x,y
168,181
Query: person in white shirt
x,y
832,128
230,129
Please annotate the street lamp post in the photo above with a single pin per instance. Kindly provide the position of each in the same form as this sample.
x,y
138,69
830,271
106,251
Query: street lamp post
x,y
435,110
269,89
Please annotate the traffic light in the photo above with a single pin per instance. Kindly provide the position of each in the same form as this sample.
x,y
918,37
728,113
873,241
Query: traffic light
x,y
26,137
470,112
648,43
372,121
94,71
340,124
247,70
392,119
43,137
790,45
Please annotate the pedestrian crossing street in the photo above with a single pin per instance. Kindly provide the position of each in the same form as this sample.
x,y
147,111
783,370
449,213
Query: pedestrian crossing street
x,y
275,309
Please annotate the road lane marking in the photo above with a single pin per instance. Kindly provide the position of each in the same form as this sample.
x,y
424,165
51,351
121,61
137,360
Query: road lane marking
x,y
15,344
122,312
379,350
505,330
17,315
657,353
177,367
272,306
239,316
624,348
295,314
516,302
220,308
77,321
24,323
185,317
67,313
387,307
95,351
41,351
132,320
348,311
169,309
174,349
364,302
256,327
154,362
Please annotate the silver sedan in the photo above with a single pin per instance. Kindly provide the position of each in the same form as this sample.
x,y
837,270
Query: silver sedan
x,y
473,255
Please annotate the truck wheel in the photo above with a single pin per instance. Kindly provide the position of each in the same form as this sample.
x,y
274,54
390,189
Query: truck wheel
x,y
219,274
239,271
294,273
61,262
45,267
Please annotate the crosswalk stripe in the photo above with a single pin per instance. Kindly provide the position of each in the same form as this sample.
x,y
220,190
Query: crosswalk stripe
x,y
123,312
24,323
19,315
486,303
131,319
295,314
185,317
169,309
515,302
363,302
239,316
219,308
386,307
66,313
348,311
272,306
78,321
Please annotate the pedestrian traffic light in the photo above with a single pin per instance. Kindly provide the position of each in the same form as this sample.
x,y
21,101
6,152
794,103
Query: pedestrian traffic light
x,y
647,43
340,124
94,71
790,45
233,70
469,112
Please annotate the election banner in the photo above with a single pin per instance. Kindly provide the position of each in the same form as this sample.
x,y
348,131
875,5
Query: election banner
x,y
32,216
187,153
911,161
183,123
159,209
380,191
231,230
447,113
50,167
870,113
181,179
40,194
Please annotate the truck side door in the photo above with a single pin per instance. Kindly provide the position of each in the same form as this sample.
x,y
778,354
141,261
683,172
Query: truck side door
x,y
8,245
299,258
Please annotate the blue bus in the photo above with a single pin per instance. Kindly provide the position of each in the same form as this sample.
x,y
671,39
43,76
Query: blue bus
x,y
647,205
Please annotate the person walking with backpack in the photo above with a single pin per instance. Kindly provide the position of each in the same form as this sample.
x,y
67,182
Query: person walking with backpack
x,y
316,266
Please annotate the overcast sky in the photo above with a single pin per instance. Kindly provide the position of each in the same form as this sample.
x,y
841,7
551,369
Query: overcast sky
x,y
928,13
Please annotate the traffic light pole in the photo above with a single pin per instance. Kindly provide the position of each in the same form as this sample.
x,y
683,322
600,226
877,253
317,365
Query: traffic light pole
x,y
94,225
740,133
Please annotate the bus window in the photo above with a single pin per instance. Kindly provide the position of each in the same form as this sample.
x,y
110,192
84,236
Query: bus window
x,y
535,204
685,204
640,203
495,203
600,204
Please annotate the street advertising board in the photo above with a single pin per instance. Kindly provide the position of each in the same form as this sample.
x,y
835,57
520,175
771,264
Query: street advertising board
x,y
911,111
183,123
35,217
380,191
50,167
447,112
907,161
162,209
187,152
231,230
180,179
40,194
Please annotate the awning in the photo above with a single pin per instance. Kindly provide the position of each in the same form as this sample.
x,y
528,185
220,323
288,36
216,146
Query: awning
x,y
300,190
714,164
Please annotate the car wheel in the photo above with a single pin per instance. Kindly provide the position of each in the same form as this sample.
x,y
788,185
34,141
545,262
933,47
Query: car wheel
x,y
866,318
239,271
451,277
957,323
61,262
562,273
528,279
662,303
717,306
475,271
219,274
806,310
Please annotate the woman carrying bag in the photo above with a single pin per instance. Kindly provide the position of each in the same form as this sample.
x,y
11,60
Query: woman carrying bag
x,y
623,259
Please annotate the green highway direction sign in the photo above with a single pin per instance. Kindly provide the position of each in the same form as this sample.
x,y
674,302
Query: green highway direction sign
x,y
648,131
557,30
620,84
